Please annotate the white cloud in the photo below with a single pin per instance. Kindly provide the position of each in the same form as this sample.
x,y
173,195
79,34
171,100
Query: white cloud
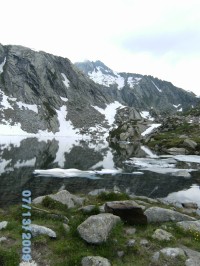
x,y
93,30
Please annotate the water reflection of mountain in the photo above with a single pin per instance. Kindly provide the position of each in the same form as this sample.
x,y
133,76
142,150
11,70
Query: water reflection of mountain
x,y
20,157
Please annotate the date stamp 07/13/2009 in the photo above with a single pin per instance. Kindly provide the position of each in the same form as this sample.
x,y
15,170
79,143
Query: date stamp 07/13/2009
x,y
26,225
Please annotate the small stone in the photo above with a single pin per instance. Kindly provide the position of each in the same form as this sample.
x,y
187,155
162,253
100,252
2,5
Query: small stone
x,y
144,242
3,224
2,239
131,243
66,227
190,205
41,230
173,252
162,235
130,231
102,208
97,192
156,256
120,254
95,261
87,209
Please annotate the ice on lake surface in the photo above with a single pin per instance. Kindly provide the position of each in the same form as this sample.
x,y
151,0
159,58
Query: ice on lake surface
x,y
79,165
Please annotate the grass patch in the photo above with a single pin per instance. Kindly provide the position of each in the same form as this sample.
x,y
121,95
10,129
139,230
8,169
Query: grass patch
x,y
9,257
112,196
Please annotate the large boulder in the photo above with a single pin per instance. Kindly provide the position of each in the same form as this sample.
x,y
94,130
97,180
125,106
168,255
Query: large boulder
x,y
96,228
159,215
193,257
95,261
64,196
129,211
189,225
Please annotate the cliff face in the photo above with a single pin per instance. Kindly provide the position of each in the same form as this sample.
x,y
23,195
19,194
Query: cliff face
x,y
41,92
45,94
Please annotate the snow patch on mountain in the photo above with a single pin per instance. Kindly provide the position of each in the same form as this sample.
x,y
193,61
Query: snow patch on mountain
x,y
63,99
27,163
133,81
150,129
146,115
106,79
4,102
156,86
32,107
66,128
2,65
8,130
110,111
177,106
65,81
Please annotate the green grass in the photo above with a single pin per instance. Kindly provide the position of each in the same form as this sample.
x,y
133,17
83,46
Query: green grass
x,y
69,249
112,196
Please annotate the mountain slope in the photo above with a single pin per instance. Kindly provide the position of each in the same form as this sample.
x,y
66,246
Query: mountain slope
x,y
139,91
45,94
48,95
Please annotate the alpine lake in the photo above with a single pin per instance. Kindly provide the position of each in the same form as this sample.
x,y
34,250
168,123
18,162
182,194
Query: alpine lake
x,y
82,165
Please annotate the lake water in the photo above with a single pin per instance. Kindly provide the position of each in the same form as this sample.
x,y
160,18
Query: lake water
x,y
82,165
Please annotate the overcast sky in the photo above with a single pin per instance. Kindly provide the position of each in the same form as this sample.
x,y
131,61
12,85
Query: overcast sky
x,y
153,37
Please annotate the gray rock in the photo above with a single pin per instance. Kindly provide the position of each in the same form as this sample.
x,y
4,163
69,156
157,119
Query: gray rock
x,y
130,231
173,252
156,256
190,144
65,197
183,173
128,210
97,192
189,225
162,235
130,243
190,205
96,228
87,209
2,239
3,224
150,200
41,230
159,215
144,242
120,253
95,261
102,208
177,151
66,227
193,257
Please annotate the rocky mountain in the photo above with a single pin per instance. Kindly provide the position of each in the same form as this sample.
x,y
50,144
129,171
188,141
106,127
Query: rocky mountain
x,y
44,94
139,91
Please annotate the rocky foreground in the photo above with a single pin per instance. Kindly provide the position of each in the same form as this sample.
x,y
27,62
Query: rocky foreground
x,y
103,228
